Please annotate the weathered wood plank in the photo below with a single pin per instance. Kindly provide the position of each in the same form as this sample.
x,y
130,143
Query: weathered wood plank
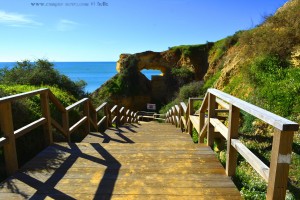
x,y
252,159
22,95
76,104
77,124
29,127
219,127
196,122
268,117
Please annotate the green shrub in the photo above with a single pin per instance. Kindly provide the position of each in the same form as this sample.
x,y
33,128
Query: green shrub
x,y
183,75
193,89
40,73
276,84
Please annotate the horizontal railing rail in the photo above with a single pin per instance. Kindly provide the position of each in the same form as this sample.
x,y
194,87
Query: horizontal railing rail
x,y
8,140
208,123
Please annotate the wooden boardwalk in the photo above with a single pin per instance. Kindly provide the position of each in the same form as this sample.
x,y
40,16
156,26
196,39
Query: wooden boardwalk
x,y
146,161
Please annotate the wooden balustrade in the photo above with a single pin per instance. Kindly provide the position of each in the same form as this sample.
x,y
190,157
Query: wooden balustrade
x,y
209,124
90,118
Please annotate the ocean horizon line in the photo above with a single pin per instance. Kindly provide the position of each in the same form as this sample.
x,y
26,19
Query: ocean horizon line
x,y
56,61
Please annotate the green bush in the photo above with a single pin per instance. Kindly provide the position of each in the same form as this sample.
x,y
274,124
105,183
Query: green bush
x,y
183,75
27,110
40,73
276,84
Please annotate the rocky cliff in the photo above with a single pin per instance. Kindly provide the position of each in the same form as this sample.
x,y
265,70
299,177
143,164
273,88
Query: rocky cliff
x,y
191,57
179,65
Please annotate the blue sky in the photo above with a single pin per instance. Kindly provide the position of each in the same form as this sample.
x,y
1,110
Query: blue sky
x,y
91,30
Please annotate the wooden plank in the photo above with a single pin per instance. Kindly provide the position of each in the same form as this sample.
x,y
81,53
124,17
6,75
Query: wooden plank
x,y
279,164
77,104
102,120
219,127
93,115
184,122
86,113
233,127
22,95
222,103
211,114
48,137
252,159
114,119
113,109
268,117
56,102
189,113
3,141
122,109
222,110
204,104
93,123
101,106
77,124
66,125
7,128
58,127
21,131
183,106
203,132
177,108
196,123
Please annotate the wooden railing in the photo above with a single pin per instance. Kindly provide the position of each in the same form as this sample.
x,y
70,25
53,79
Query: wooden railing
x,y
208,123
90,117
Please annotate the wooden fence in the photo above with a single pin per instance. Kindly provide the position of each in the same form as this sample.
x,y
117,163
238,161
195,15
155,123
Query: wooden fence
x,y
208,123
117,115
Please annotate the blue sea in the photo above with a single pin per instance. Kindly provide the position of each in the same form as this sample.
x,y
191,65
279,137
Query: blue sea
x,y
93,73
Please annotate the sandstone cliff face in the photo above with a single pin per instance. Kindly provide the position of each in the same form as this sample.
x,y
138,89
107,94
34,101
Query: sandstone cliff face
x,y
135,91
193,57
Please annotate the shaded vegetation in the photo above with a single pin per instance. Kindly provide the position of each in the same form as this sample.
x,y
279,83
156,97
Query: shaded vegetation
x,y
25,77
40,73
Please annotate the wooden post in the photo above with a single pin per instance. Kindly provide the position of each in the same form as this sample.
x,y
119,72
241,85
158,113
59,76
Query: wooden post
x,y
65,121
201,124
279,165
231,156
108,117
86,112
125,116
7,128
93,114
190,112
46,113
180,115
211,114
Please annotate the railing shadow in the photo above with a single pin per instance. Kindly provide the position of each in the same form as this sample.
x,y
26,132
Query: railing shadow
x,y
121,135
60,163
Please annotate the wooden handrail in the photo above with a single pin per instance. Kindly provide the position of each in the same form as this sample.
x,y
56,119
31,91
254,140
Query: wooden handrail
x,y
56,102
22,95
268,117
3,141
77,124
206,124
89,118
252,159
76,104
18,133
101,107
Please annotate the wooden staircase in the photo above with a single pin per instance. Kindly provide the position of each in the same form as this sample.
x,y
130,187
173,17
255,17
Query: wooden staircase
x,y
149,160
146,160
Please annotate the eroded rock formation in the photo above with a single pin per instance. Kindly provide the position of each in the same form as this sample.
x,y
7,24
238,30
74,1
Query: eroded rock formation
x,y
134,90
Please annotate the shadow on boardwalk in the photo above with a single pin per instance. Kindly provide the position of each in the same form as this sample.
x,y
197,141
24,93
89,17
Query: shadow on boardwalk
x,y
39,178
